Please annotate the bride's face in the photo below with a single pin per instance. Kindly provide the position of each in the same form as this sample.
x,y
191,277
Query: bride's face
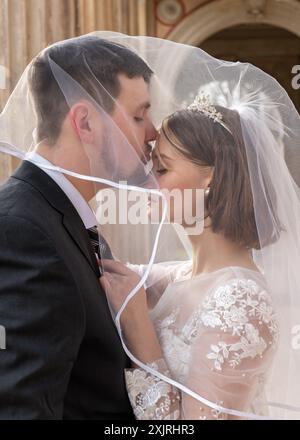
x,y
175,172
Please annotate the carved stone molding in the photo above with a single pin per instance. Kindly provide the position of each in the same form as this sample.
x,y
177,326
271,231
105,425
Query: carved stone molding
x,y
256,8
169,11
218,15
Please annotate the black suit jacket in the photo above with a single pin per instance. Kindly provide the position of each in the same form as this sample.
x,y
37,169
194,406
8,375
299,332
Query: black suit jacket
x,y
63,356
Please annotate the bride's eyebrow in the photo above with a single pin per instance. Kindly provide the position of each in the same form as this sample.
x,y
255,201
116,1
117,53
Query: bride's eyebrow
x,y
160,156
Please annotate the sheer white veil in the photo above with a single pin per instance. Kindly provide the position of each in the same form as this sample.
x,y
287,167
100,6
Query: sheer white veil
x,y
270,126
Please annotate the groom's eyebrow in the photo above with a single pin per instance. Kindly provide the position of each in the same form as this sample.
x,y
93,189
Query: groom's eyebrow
x,y
145,105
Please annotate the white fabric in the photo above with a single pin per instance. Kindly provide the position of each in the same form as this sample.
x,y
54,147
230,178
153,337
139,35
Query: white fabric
x,y
79,203
218,333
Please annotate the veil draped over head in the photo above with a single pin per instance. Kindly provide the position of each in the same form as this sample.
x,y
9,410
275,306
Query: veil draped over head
x,y
119,173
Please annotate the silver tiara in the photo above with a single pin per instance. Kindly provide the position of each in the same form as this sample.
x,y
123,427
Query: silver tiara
x,y
202,103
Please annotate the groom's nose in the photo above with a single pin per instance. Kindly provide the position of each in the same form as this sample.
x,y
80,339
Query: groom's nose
x,y
151,133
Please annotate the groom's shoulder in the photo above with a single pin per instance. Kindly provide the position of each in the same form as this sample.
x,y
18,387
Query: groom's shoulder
x,y
20,199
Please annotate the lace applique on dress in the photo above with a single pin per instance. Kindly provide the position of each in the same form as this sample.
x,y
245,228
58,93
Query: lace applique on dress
x,y
174,346
235,308
240,314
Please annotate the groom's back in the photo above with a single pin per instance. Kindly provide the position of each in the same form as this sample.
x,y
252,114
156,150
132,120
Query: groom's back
x,y
63,356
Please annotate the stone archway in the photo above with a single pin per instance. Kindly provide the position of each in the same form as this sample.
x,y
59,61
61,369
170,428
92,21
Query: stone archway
x,y
216,16
274,50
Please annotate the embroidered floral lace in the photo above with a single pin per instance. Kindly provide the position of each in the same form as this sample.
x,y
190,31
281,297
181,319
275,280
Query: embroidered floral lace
x,y
222,351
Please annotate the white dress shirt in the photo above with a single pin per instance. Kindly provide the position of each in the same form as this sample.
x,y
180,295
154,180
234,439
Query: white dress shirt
x,y
82,207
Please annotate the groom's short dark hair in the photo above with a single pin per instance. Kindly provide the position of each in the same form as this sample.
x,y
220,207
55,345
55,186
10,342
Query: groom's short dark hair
x,y
94,63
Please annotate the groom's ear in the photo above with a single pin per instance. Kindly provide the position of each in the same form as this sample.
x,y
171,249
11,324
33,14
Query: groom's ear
x,y
83,118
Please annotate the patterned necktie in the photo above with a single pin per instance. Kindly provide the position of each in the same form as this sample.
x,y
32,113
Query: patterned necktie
x,y
94,237
100,246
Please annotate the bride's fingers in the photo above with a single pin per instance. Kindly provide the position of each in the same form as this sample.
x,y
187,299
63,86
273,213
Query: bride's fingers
x,y
112,279
115,266
106,281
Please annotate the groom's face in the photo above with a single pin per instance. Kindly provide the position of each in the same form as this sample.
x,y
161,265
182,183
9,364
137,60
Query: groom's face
x,y
131,115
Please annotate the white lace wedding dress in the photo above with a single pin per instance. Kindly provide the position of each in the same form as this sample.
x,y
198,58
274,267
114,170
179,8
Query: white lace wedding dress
x,y
218,334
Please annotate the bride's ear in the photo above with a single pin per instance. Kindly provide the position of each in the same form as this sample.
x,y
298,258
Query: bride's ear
x,y
209,178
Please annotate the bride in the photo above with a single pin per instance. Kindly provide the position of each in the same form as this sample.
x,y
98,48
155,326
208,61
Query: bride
x,y
212,327
211,337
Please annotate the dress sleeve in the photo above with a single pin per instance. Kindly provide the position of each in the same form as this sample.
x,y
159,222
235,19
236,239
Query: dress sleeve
x,y
231,341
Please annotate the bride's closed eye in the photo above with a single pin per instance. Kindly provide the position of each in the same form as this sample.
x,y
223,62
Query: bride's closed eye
x,y
161,171
158,167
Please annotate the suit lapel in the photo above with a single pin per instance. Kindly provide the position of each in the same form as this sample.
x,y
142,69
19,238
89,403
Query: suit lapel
x,y
33,175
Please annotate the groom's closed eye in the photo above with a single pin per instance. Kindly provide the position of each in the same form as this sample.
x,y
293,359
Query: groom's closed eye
x,y
141,112
138,119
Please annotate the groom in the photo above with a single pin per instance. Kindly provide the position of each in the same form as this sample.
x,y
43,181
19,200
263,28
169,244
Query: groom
x,y
63,358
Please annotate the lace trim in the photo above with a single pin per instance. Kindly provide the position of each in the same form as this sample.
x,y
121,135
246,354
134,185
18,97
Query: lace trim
x,y
151,398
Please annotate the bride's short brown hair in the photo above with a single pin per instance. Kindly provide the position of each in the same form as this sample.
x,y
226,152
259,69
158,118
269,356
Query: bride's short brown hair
x,y
230,201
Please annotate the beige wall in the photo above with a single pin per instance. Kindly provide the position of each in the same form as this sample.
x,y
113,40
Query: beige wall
x,y
27,26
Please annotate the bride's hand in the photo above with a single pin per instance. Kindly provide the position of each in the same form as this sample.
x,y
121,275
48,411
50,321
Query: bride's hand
x,y
141,339
118,281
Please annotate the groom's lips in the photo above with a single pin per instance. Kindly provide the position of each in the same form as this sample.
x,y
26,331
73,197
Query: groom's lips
x,y
142,179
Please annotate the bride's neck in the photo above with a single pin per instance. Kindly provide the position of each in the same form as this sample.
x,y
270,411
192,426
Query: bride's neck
x,y
212,251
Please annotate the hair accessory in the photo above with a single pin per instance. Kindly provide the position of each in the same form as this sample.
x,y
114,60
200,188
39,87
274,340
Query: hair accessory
x,y
203,104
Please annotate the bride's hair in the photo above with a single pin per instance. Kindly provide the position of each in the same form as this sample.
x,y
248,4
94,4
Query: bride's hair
x,y
229,204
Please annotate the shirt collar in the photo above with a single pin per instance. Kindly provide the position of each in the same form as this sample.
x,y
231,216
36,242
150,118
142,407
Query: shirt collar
x,y
80,204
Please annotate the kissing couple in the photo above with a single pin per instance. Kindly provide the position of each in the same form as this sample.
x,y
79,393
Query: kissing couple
x,y
160,320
